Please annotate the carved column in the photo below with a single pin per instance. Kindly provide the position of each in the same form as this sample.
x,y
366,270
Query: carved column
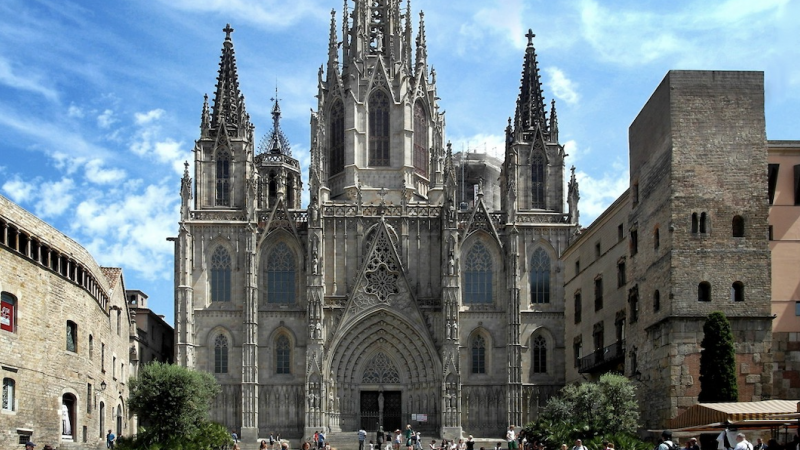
x,y
316,402
451,374
250,341
514,393
184,312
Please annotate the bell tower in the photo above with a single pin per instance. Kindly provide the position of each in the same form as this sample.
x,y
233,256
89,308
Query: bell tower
x,y
223,156
378,123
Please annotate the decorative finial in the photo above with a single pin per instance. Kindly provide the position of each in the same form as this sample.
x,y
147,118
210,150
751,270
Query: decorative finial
x,y
530,37
228,30
186,168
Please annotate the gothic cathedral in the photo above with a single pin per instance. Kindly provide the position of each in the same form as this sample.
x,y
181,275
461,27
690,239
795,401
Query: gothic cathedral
x,y
386,301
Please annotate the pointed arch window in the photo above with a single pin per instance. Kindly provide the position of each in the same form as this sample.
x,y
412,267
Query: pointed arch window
x,y
540,355
478,275
737,225
420,140
280,275
221,354
378,129
336,133
220,275
223,188
540,277
538,179
478,354
283,355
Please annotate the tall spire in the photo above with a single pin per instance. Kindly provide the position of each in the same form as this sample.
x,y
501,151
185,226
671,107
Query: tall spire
x,y
333,47
553,122
408,35
275,142
205,117
422,48
228,100
530,104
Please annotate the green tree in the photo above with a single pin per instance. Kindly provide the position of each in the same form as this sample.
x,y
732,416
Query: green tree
x,y
717,361
605,409
172,403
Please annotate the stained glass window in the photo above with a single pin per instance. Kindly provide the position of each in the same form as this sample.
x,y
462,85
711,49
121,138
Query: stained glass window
x,y
539,355
478,275
221,354
220,275
280,275
478,355
283,355
378,129
540,277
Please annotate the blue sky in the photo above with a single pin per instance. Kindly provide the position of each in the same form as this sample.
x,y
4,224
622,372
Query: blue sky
x,y
100,101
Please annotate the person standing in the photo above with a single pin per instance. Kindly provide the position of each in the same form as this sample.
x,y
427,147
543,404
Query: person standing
x,y
470,443
407,435
759,445
271,440
579,445
321,439
742,443
379,438
362,436
666,440
110,439
511,437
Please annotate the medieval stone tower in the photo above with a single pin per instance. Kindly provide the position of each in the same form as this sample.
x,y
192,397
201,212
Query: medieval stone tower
x,y
384,302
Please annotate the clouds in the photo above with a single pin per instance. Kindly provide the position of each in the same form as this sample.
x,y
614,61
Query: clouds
x,y
149,142
562,87
21,79
266,13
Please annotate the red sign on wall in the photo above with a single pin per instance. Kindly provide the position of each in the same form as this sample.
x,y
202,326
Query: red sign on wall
x,y
6,316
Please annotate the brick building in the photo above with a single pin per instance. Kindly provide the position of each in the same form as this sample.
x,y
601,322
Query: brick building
x,y
687,239
155,338
65,335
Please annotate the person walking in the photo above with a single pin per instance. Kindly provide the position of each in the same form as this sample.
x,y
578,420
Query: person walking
x,y
511,437
407,435
110,439
362,436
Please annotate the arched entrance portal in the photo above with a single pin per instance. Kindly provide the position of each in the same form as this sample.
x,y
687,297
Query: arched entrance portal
x,y
385,369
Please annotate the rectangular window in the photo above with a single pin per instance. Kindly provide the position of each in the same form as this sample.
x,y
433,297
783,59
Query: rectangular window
x,y
597,250
577,267
621,274
578,307
797,184
620,233
9,390
577,350
598,294
797,308
770,233
114,367
103,357
634,242
635,193
72,336
773,180
89,398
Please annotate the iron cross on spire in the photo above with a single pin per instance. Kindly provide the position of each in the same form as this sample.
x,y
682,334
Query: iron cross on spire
x,y
530,36
228,30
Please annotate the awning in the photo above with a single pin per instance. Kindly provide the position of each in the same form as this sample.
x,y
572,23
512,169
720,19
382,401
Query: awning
x,y
704,414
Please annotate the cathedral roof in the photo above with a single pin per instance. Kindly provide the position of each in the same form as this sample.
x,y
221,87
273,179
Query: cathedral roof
x,y
275,141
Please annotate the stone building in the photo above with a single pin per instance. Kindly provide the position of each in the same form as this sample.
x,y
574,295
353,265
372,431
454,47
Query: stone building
x,y
384,302
687,239
65,333
784,242
155,338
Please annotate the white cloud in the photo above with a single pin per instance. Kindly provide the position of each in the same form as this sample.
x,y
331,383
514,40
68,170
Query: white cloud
x,y
54,198
106,119
597,193
500,18
26,81
75,111
574,153
272,13
149,116
18,190
96,173
561,86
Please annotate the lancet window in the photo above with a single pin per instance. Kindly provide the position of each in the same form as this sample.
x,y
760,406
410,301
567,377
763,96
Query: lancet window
x,y
280,275
378,129
336,136
420,140
223,186
540,277
478,275
220,275
221,354
538,179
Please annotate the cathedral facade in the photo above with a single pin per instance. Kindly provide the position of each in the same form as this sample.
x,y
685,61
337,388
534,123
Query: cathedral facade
x,y
387,300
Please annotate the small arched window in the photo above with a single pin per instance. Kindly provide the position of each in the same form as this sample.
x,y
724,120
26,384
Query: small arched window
x,y
704,292
737,225
280,275
539,355
656,301
478,354
695,223
220,275
283,355
223,185
540,277
538,181
379,129
703,222
737,291
420,140
8,311
337,138
72,336
478,275
221,354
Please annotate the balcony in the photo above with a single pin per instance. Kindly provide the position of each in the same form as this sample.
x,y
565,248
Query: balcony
x,y
603,359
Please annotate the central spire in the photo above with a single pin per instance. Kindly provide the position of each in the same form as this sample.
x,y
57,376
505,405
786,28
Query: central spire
x,y
228,105
530,104
275,142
